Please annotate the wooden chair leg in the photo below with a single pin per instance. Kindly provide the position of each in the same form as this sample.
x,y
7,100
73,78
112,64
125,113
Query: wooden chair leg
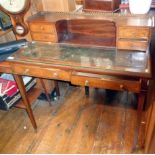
x,y
46,92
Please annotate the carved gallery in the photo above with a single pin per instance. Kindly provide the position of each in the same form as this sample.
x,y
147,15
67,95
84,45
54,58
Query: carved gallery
x,y
77,76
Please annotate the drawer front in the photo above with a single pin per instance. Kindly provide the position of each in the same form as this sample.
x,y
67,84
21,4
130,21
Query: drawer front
x,y
106,83
44,37
134,33
5,67
36,71
132,45
42,27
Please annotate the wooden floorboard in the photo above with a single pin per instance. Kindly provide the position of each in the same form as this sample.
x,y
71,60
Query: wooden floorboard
x,y
101,123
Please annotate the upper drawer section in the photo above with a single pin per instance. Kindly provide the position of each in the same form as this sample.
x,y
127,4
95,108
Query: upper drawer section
x,y
41,27
133,33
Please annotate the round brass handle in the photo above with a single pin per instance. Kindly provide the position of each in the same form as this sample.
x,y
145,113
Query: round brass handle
x,y
121,86
42,28
86,83
55,74
26,71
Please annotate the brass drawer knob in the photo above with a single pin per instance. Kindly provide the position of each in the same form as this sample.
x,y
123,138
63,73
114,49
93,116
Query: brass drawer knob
x,y
26,71
42,28
55,74
121,86
86,83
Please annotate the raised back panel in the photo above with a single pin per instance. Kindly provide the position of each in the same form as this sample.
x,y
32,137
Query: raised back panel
x,y
101,28
90,31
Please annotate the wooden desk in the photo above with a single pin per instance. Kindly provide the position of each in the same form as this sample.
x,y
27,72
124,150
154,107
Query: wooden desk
x,y
98,67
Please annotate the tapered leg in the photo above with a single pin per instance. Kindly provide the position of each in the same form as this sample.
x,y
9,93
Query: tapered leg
x,y
26,102
141,100
45,90
57,88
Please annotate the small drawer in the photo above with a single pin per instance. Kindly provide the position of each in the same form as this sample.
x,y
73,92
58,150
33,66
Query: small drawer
x,y
132,44
36,71
106,82
133,33
44,37
42,27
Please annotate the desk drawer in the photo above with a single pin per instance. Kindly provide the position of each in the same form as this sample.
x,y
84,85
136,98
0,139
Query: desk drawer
x,y
133,33
42,27
44,37
132,44
5,67
36,71
106,82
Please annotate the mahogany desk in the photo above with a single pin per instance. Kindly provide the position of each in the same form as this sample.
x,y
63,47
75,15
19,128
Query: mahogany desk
x,y
97,67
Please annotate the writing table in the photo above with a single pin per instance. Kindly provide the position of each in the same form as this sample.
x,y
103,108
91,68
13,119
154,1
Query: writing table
x,y
93,66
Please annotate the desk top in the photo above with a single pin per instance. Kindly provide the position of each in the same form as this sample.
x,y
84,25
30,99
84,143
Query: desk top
x,y
81,58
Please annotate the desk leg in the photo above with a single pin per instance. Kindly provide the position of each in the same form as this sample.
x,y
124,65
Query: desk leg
x,y
23,93
141,100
